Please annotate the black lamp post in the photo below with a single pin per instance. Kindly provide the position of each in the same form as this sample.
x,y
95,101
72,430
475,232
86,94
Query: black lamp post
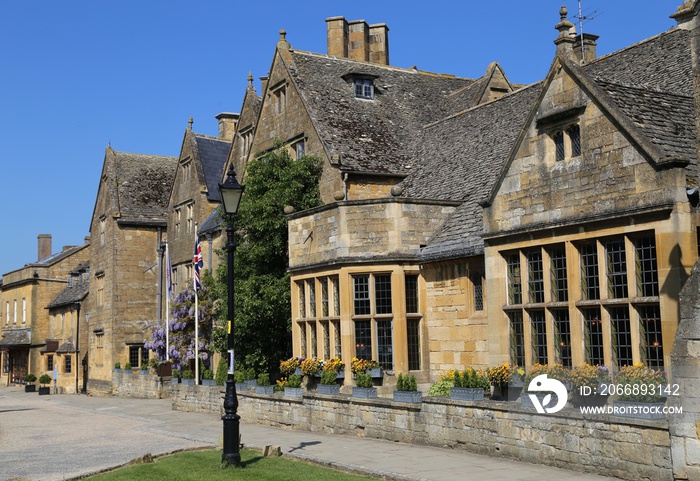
x,y
231,192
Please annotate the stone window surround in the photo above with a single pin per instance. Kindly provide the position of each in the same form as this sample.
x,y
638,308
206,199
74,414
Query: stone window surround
x,y
562,126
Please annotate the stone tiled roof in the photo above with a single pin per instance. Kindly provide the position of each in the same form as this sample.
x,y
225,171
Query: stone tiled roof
x,y
460,159
70,294
144,183
213,153
371,136
661,63
16,337
667,120
213,223
67,346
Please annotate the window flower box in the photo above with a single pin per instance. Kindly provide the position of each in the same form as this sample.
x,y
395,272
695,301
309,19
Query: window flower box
x,y
265,390
294,392
328,389
467,393
408,397
364,392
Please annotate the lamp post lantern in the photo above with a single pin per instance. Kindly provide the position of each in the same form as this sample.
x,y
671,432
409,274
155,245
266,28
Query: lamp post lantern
x,y
231,192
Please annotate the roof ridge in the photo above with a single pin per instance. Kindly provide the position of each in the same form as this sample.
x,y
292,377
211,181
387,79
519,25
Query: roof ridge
x,y
117,152
392,67
490,102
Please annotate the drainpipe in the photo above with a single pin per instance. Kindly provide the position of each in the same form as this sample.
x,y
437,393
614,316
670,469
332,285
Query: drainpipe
x,y
161,253
76,306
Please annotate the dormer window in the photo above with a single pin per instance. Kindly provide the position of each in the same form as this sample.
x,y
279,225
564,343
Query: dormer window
x,y
364,88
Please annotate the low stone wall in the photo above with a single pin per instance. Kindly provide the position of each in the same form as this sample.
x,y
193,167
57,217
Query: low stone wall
x,y
137,385
607,445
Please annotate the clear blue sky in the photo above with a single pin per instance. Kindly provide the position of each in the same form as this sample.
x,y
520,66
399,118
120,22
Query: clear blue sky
x,y
80,75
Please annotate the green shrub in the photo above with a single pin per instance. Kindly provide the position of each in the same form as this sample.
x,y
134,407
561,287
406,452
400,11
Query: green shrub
x,y
176,373
328,377
187,374
127,366
117,365
239,377
207,374
249,374
441,388
363,379
30,378
263,379
471,378
406,383
45,379
294,380
222,371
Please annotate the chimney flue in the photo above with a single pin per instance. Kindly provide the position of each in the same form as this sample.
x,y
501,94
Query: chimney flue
x,y
358,41
588,53
44,244
227,125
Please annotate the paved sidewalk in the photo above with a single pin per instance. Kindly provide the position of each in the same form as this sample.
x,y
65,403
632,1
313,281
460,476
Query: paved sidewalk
x,y
60,437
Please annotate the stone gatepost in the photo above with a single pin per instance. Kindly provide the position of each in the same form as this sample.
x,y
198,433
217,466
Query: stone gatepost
x,y
684,428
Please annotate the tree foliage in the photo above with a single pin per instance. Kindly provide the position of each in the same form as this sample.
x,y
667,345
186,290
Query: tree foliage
x,y
262,309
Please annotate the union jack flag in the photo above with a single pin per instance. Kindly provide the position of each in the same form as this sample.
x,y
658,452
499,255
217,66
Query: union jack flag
x,y
198,264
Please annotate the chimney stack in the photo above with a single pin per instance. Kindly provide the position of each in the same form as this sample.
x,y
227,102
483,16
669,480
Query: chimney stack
x,y
44,243
227,125
358,41
589,47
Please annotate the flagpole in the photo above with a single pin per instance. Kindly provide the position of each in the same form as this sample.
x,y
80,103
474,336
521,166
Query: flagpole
x,y
169,287
196,315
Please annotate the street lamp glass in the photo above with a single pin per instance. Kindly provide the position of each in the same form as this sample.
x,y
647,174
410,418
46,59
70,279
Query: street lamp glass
x,y
231,192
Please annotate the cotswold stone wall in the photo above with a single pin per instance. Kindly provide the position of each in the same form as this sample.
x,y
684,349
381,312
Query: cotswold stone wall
x,y
142,386
611,446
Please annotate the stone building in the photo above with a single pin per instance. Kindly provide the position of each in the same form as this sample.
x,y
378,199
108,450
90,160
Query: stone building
x,y
195,197
68,332
128,225
31,335
476,221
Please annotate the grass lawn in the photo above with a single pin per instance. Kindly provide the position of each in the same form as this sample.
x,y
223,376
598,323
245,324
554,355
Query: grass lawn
x,y
206,465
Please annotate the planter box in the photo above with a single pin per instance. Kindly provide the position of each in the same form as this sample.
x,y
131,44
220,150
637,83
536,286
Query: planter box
x,y
639,410
174,380
250,384
187,382
128,371
265,389
296,392
409,396
43,391
117,371
375,372
30,388
209,382
592,400
143,372
364,392
526,402
298,372
330,389
506,392
467,393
